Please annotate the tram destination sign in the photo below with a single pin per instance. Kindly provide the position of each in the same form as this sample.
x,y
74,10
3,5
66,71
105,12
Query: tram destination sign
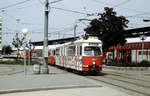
x,y
93,44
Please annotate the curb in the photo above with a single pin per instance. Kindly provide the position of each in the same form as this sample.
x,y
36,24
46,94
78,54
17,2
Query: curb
x,y
46,88
127,68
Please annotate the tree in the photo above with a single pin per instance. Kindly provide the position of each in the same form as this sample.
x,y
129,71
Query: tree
x,y
17,43
6,49
109,28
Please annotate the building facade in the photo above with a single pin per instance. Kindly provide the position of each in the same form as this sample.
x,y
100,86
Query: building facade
x,y
135,50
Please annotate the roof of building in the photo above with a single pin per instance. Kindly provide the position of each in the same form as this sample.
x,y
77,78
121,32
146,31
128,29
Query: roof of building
x,y
57,41
137,32
132,35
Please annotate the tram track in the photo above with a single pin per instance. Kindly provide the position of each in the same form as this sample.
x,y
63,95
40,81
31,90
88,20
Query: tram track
x,y
131,78
135,90
131,85
127,81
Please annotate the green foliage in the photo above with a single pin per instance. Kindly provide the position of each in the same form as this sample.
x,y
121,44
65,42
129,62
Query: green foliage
x,y
17,43
143,63
109,27
6,50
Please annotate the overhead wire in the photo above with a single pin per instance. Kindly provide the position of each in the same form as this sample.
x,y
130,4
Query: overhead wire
x,y
15,4
10,15
84,7
118,6
108,4
67,10
136,15
122,3
41,2
70,10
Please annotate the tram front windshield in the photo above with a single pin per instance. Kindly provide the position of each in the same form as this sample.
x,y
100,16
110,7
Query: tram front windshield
x,y
92,51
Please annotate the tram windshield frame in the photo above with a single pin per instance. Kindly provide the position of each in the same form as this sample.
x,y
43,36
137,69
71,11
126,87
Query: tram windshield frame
x,y
92,51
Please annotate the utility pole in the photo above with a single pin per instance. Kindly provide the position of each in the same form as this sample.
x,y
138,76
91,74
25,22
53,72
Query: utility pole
x,y
75,28
29,53
17,32
45,69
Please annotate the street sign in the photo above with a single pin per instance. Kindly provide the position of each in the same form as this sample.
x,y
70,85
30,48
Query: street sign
x,y
143,37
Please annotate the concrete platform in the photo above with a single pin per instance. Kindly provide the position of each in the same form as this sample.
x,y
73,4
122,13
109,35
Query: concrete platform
x,y
97,91
57,83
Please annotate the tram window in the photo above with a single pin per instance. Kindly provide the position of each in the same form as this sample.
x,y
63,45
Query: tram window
x,y
80,50
57,51
61,52
54,52
92,51
49,53
71,51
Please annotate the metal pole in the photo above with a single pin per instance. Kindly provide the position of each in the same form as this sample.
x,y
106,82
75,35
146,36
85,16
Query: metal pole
x,y
29,57
75,27
142,50
25,67
45,47
17,32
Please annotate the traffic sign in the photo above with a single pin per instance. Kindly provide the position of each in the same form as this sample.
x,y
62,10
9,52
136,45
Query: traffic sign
x,y
143,37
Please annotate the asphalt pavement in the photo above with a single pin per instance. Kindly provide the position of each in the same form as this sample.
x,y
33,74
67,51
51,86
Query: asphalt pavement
x,y
57,82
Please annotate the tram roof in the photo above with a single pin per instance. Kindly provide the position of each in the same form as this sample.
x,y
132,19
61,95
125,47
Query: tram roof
x,y
90,39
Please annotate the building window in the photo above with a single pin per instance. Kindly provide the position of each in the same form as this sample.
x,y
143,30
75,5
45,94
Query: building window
x,y
142,52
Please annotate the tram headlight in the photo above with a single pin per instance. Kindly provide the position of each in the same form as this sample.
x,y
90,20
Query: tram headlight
x,y
100,66
85,66
93,63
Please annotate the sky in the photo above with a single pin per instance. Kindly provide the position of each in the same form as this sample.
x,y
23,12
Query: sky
x,y
63,16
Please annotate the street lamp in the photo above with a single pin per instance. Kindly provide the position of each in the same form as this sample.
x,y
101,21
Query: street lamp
x,y
142,37
25,32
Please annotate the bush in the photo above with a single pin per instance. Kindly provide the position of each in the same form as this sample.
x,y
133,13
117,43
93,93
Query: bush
x,y
19,62
143,63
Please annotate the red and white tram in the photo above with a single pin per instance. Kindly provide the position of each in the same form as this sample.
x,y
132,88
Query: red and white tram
x,y
80,55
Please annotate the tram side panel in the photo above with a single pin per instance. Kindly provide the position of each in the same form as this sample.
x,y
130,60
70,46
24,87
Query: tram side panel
x,y
57,57
51,58
73,58
70,53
